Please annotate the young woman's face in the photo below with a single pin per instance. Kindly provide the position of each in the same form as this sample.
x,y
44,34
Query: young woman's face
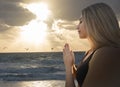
x,y
81,29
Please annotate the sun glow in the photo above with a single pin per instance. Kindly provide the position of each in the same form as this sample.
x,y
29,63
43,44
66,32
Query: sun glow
x,y
40,10
35,31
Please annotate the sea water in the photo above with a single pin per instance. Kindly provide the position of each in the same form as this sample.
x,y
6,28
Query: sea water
x,y
33,66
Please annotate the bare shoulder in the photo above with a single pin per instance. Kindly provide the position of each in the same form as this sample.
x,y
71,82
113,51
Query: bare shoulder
x,y
104,68
106,54
107,51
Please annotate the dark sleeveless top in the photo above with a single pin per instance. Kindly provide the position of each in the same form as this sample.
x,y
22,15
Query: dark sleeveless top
x,y
82,70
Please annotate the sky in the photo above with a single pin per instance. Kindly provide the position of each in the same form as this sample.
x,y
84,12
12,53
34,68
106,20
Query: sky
x,y
44,25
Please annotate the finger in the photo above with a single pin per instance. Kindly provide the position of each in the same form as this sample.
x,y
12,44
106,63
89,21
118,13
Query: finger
x,y
65,44
67,47
65,52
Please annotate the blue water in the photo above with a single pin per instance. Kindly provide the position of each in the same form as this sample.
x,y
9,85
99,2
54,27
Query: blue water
x,y
33,66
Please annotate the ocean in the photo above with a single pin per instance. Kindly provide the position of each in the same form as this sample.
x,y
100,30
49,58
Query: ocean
x,y
33,68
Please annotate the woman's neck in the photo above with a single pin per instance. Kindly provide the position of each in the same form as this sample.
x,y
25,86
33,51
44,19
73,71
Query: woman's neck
x,y
92,45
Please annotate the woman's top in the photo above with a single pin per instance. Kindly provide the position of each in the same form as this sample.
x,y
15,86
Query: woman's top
x,y
82,69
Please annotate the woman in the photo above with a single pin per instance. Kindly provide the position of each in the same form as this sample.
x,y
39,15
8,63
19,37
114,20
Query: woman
x,y
100,65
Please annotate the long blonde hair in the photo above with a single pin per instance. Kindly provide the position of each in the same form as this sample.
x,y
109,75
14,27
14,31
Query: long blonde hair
x,y
101,25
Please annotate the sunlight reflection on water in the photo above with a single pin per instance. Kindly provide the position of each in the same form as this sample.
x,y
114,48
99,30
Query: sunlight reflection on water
x,y
46,83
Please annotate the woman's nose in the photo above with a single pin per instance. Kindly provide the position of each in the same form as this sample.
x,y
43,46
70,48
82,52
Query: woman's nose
x,y
77,27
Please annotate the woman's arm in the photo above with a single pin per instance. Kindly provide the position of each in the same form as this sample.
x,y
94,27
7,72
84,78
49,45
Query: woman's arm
x,y
69,78
104,68
68,57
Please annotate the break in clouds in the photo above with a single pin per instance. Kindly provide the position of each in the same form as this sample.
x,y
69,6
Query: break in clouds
x,y
11,16
71,9
61,26
11,13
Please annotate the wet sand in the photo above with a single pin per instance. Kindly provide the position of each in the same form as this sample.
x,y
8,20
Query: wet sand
x,y
45,83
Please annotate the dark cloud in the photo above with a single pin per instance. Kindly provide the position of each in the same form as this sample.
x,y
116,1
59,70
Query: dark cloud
x,y
11,13
71,9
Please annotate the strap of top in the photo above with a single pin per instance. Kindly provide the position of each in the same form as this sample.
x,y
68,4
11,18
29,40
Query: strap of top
x,y
89,57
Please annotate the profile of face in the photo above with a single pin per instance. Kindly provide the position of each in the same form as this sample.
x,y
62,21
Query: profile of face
x,y
82,29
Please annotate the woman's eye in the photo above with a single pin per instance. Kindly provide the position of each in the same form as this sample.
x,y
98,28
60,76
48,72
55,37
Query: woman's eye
x,y
80,21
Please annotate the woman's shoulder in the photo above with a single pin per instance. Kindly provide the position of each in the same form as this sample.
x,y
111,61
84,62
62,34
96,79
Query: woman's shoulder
x,y
104,68
107,56
107,51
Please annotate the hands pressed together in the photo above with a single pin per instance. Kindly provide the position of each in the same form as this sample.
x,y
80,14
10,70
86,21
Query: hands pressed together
x,y
68,57
69,60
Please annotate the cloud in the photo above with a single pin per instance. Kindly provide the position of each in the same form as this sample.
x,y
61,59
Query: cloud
x,y
11,13
61,33
71,9
8,33
62,24
8,36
